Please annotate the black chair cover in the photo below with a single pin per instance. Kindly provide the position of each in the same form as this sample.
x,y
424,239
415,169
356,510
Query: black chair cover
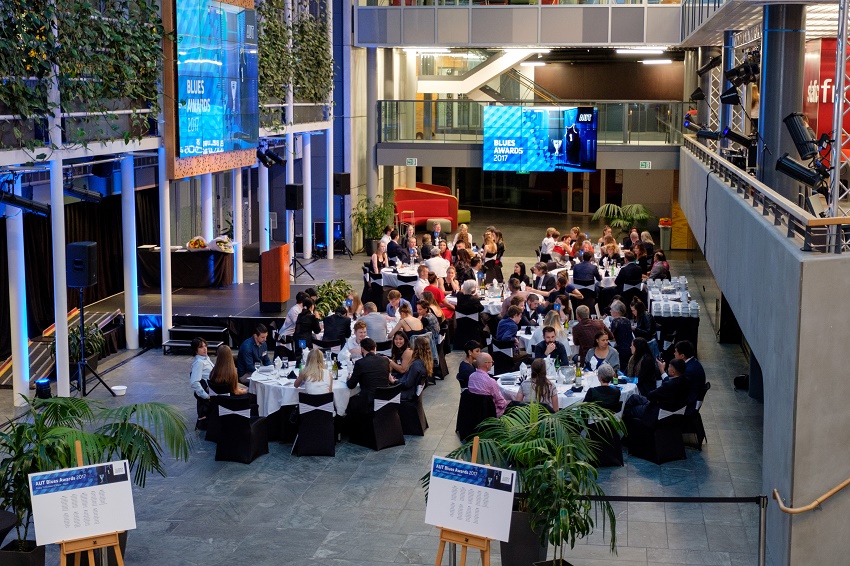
x,y
243,437
471,411
381,427
660,443
316,431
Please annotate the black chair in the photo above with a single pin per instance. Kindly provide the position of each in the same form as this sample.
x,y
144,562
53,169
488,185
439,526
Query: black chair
x,y
381,427
213,420
441,368
376,291
283,348
471,411
467,327
243,437
412,414
412,334
502,352
316,431
408,294
692,423
609,446
629,292
660,442
384,348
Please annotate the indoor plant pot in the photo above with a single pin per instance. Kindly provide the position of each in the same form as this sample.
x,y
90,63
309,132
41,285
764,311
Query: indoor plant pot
x,y
32,555
371,217
524,542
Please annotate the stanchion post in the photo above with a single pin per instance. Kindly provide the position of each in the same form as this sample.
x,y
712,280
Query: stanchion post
x,y
762,530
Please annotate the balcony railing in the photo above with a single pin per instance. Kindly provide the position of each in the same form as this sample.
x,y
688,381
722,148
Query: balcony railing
x,y
467,3
461,121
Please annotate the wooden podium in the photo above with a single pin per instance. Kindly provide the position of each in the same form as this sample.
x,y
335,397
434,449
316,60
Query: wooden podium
x,y
274,279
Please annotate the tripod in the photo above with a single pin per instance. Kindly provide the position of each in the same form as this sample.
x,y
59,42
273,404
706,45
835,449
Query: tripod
x,y
82,364
295,266
342,247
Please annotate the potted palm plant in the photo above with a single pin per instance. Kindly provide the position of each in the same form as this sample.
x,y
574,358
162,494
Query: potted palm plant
x,y
538,443
94,344
624,217
372,217
43,438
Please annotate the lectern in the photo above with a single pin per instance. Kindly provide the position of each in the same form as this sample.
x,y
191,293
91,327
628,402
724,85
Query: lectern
x,y
274,279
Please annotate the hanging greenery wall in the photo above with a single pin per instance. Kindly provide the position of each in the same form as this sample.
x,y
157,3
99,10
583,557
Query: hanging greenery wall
x,y
313,70
275,61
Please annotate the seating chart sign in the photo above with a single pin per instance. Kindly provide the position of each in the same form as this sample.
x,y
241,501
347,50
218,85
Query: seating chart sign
x,y
82,502
470,498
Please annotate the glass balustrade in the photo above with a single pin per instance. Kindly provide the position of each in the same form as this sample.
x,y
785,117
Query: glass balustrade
x,y
467,3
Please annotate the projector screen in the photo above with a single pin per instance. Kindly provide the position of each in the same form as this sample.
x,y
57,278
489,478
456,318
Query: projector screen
x,y
518,138
217,100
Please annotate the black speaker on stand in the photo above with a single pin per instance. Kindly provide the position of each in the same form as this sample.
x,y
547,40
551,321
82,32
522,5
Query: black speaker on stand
x,y
295,202
81,271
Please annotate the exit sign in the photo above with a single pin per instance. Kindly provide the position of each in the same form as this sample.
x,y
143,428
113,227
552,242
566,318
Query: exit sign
x,y
646,164
411,162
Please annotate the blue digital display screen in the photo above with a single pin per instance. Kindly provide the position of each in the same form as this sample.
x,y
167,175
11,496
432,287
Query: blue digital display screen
x,y
217,73
518,138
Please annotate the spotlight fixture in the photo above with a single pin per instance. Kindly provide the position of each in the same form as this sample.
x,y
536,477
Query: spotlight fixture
x,y
691,125
261,157
746,72
698,95
731,97
275,157
83,194
802,135
798,171
712,63
708,135
25,204
737,138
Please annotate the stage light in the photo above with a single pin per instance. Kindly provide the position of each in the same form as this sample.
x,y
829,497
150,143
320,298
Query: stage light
x,y
691,125
24,204
83,194
746,72
698,95
708,135
712,63
803,136
42,388
730,96
261,157
275,157
797,171
737,138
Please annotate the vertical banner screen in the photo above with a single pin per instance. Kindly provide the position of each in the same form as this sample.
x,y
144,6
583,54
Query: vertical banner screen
x,y
217,106
518,138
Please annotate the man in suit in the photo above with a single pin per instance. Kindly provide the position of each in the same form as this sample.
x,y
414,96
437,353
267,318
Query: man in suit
x,y
551,348
630,240
393,247
307,325
533,308
694,373
585,272
370,372
606,395
585,331
631,273
542,282
671,396
337,325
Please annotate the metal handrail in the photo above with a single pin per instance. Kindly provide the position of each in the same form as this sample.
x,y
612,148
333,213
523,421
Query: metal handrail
x,y
814,504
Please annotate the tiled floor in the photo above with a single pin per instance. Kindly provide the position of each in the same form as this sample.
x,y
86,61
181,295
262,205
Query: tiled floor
x,y
365,508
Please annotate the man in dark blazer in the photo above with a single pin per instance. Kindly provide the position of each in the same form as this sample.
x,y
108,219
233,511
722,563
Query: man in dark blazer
x,y
370,372
393,247
337,325
606,395
694,372
631,273
586,271
542,282
671,396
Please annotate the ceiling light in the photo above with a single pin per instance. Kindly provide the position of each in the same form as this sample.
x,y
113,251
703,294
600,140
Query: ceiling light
x,y
657,61
643,51
532,64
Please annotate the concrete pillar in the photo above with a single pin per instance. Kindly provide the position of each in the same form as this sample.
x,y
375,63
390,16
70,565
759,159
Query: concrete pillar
x,y
165,242
307,188
691,66
207,206
371,122
19,330
725,117
236,204
290,109
329,190
781,88
60,282
128,228
704,110
263,204
409,111
427,175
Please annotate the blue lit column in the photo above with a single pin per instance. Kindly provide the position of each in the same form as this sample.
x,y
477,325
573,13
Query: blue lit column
x,y
207,206
128,223
263,204
60,286
236,204
164,242
307,187
18,301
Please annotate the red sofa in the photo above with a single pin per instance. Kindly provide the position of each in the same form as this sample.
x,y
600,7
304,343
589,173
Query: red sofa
x,y
418,205
442,189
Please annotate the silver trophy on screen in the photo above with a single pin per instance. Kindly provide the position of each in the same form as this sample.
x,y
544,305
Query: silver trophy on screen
x,y
233,85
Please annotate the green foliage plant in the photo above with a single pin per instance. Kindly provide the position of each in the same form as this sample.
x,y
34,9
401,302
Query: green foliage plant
x,y
94,342
313,66
373,216
275,57
331,295
624,217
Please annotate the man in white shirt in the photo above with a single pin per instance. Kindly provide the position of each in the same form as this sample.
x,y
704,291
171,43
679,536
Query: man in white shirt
x,y
288,328
422,282
352,345
437,264
386,237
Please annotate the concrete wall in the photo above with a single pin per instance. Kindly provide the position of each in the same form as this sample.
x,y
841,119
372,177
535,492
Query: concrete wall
x,y
790,306
651,188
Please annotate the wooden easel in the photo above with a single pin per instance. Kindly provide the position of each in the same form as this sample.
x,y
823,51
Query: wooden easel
x,y
466,541
77,547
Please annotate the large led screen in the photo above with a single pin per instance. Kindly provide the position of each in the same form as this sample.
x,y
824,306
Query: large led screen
x,y
217,108
518,138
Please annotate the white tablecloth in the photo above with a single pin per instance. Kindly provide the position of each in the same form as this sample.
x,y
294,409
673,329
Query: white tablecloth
x,y
565,396
274,390
606,281
528,341
492,306
405,276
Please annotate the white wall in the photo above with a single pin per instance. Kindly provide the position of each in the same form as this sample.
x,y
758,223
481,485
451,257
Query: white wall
x,y
651,188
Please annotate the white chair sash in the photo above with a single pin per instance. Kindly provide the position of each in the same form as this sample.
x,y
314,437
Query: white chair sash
x,y
380,403
473,316
243,413
214,394
327,407
627,287
507,352
588,287
662,414
698,405
419,390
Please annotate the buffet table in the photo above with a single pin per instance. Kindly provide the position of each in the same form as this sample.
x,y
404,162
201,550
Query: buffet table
x,y
204,268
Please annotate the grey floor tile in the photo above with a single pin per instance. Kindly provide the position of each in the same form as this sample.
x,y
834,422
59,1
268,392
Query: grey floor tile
x,y
647,535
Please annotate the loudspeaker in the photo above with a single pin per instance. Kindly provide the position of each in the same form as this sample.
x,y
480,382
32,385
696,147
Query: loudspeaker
x,y
293,197
342,184
81,264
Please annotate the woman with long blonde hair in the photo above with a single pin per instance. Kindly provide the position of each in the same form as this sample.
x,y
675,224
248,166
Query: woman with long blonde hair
x,y
421,368
314,375
462,235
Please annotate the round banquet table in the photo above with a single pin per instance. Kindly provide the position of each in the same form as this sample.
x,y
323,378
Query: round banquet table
x,y
565,396
492,305
405,276
605,283
275,389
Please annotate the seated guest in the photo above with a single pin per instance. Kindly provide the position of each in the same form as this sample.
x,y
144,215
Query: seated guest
x,y
355,309
421,368
693,373
199,376
538,388
519,301
444,250
575,252
574,232
462,237
605,395
410,232
422,282
641,257
468,301
380,259
393,247
307,324
435,262
585,272
606,232
292,316
252,351
438,233
514,291
519,273
601,353
562,247
429,298
660,267
376,323
370,372
406,323
509,325
631,273
643,325
671,396
563,308
386,237
552,319
451,285
472,349
430,323
480,382
547,245
401,353
412,251
223,377
630,240
542,282
648,243
434,288
476,266
584,333
314,375
563,288
351,349
642,366
426,248
533,308
550,347
394,301
611,252
338,325
621,328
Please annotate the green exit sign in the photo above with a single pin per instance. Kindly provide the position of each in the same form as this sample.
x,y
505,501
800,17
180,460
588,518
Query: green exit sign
x,y
411,161
646,164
